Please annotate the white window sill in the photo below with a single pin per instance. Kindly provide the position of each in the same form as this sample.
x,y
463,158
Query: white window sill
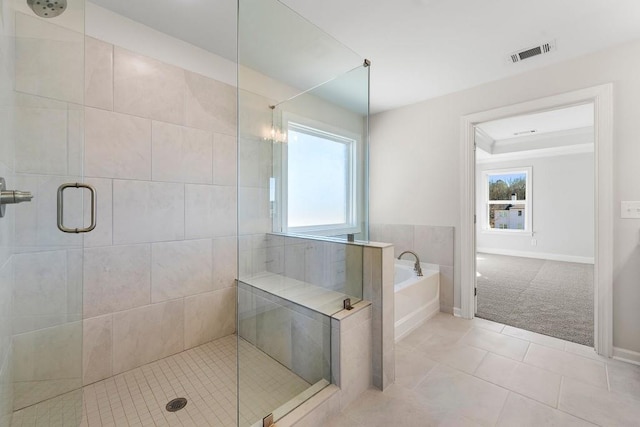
x,y
508,232
324,231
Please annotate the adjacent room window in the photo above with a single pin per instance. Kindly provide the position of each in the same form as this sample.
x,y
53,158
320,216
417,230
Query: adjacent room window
x,y
508,200
320,185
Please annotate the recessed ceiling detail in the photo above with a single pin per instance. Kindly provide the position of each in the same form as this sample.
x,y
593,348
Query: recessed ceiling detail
x,y
566,130
574,117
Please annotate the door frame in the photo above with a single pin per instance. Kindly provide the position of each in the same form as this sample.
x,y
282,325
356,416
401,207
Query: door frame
x,y
602,98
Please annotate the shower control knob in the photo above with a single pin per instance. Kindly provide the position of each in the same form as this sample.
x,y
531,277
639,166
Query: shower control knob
x,y
11,197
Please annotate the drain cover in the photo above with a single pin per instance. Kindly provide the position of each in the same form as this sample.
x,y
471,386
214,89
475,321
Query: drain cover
x,y
176,404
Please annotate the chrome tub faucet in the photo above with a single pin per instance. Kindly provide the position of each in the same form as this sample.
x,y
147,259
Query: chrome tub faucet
x,y
416,266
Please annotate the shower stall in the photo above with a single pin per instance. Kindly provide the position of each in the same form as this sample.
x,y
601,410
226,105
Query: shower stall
x,y
191,220
303,104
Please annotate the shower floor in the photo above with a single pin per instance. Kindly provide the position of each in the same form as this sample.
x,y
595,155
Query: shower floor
x,y
205,375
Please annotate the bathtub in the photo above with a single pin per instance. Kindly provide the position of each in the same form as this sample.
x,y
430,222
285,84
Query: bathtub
x,y
416,298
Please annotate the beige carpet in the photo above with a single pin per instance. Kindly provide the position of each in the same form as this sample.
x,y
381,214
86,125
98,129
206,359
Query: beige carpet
x,y
549,297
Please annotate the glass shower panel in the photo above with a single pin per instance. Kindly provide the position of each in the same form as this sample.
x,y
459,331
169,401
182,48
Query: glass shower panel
x,y
302,157
284,354
293,54
320,185
41,147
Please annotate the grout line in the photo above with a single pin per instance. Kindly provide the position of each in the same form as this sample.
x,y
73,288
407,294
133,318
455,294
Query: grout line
x,y
569,413
504,404
463,337
113,77
481,360
559,391
527,352
113,184
184,211
606,372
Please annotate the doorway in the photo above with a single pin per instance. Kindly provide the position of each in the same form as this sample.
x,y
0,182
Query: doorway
x,y
535,222
601,98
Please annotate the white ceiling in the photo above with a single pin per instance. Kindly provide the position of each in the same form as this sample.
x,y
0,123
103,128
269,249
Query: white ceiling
x,y
209,24
294,52
420,49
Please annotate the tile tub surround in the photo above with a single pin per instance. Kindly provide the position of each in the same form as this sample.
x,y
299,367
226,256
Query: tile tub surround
x,y
433,244
457,372
159,268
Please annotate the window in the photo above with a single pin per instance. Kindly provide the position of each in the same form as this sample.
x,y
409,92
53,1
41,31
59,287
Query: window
x,y
508,200
319,177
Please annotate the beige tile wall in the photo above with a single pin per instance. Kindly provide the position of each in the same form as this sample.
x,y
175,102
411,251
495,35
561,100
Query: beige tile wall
x,y
156,276
7,234
295,336
433,244
378,274
45,271
160,143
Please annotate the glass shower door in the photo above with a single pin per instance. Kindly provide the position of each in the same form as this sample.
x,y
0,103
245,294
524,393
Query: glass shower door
x,y
41,271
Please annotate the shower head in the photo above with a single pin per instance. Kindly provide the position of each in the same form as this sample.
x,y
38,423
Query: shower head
x,y
47,8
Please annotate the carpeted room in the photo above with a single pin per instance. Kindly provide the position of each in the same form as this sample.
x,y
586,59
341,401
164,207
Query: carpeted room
x,y
535,222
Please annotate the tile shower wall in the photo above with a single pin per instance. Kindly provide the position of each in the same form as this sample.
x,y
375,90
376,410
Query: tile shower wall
x,y
45,268
7,82
295,336
157,274
159,268
330,265
433,245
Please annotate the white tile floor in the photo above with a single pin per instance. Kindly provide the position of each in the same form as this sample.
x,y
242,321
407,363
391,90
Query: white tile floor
x,y
205,375
456,372
449,372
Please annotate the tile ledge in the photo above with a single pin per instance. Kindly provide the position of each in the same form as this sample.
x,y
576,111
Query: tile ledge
x,y
372,244
308,407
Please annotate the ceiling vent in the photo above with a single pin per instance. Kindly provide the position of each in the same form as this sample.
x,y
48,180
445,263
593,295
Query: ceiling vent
x,y
532,51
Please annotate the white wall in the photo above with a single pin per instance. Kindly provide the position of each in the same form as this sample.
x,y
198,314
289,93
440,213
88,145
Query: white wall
x,y
415,160
563,210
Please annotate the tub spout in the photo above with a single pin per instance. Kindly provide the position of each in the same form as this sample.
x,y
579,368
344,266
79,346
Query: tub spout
x,y
416,266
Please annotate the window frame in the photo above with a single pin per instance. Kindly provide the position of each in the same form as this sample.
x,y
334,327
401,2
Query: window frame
x,y
528,203
353,174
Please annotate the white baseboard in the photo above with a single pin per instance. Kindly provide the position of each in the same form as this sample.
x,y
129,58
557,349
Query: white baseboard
x,y
538,255
625,355
457,311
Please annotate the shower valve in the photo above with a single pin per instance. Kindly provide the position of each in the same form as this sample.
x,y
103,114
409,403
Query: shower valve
x,y
10,197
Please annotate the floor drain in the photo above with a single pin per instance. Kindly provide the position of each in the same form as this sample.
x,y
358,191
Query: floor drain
x,y
176,404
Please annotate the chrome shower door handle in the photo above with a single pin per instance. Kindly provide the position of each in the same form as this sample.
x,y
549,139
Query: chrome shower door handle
x,y
94,204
